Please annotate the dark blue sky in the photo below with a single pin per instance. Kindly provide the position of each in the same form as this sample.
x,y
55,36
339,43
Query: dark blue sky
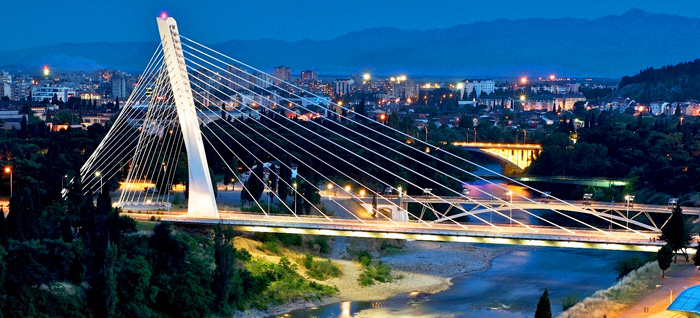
x,y
29,23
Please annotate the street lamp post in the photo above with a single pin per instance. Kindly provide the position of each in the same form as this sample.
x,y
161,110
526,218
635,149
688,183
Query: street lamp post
x,y
628,198
99,175
269,199
510,195
295,198
670,296
8,170
62,181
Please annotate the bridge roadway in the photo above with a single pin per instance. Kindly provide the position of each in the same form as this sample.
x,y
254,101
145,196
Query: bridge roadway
x,y
471,233
539,205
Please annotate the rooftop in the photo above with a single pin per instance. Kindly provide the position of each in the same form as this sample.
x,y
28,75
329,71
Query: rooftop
x,y
688,302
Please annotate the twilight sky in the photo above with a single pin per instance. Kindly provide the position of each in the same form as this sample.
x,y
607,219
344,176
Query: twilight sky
x,y
30,23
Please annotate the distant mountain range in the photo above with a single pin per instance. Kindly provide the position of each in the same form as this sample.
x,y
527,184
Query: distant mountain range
x,y
610,46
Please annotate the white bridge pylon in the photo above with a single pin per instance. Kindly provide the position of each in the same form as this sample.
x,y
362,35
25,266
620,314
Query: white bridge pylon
x,y
143,144
201,201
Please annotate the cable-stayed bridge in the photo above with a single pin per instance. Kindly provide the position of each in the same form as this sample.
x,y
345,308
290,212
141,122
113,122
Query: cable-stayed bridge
x,y
237,119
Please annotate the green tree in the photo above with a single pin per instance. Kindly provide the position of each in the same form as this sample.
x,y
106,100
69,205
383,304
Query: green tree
x,y
224,274
664,257
544,308
103,289
675,233
4,238
374,206
134,288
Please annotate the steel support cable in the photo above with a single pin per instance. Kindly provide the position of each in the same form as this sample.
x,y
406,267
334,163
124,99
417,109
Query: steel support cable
x,y
369,188
157,143
136,162
381,196
142,144
147,143
281,163
390,172
110,155
204,137
119,124
398,141
145,74
252,173
165,157
459,194
275,158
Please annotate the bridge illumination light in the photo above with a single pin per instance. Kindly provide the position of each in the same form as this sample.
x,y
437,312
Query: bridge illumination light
x,y
163,15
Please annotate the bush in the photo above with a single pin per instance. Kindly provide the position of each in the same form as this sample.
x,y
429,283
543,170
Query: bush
x,y
365,258
627,265
290,239
321,244
270,246
285,283
319,269
379,272
570,301
263,237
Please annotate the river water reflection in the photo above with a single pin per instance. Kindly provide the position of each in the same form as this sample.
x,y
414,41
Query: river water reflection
x,y
510,288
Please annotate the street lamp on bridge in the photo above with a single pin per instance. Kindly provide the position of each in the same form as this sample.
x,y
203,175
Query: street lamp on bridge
x,y
629,199
510,196
295,197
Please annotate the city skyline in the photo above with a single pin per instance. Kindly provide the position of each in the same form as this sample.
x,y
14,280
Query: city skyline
x,y
130,20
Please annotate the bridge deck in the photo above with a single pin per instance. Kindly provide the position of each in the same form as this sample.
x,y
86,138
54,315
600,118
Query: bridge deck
x,y
556,205
515,235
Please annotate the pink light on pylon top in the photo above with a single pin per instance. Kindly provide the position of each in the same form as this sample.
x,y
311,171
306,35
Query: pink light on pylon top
x,y
163,15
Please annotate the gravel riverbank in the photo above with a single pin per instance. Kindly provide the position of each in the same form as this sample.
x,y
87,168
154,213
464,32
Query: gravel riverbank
x,y
426,267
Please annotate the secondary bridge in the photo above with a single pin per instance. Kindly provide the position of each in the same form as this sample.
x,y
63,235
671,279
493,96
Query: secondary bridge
x,y
519,156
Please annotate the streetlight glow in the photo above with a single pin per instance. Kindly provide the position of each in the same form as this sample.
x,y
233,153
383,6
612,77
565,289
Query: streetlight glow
x,y
8,170
522,97
552,77
523,80
366,77
330,186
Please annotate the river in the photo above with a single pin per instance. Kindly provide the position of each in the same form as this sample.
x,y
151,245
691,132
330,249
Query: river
x,y
509,289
